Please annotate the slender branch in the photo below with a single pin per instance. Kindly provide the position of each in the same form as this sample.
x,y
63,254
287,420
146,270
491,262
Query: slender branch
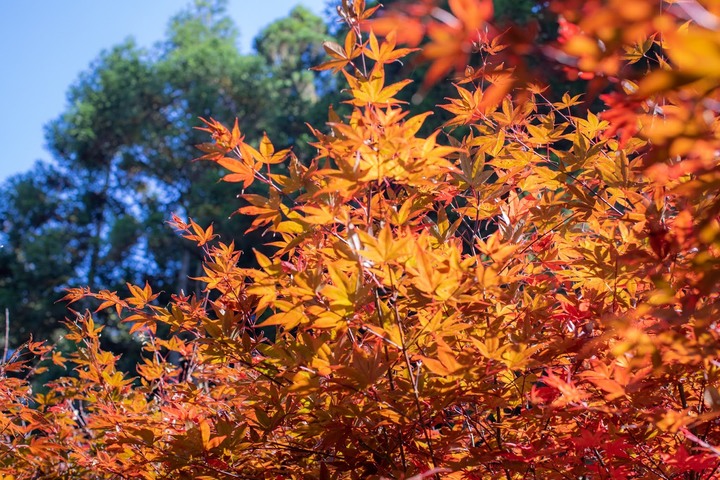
x,y
712,472
690,436
540,237
615,286
7,336
378,308
592,192
683,397
414,382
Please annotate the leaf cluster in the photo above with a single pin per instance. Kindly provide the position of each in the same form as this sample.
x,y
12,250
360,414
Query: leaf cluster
x,y
533,295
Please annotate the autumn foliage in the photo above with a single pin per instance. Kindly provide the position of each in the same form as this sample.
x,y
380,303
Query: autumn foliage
x,y
529,292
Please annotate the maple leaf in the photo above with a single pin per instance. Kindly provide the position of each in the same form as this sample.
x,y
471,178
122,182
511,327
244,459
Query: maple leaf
x,y
241,172
341,55
472,107
267,153
621,116
224,140
386,52
451,41
372,90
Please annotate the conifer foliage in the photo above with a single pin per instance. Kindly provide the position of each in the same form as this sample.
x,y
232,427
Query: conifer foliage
x,y
531,292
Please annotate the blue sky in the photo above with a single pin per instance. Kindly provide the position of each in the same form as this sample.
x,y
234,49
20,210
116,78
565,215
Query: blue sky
x,y
45,44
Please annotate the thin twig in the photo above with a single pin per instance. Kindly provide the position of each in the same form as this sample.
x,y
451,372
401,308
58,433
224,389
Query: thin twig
x,y
690,436
7,335
413,380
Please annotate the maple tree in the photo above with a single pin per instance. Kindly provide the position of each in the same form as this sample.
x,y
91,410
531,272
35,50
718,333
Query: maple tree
x,y
531,292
